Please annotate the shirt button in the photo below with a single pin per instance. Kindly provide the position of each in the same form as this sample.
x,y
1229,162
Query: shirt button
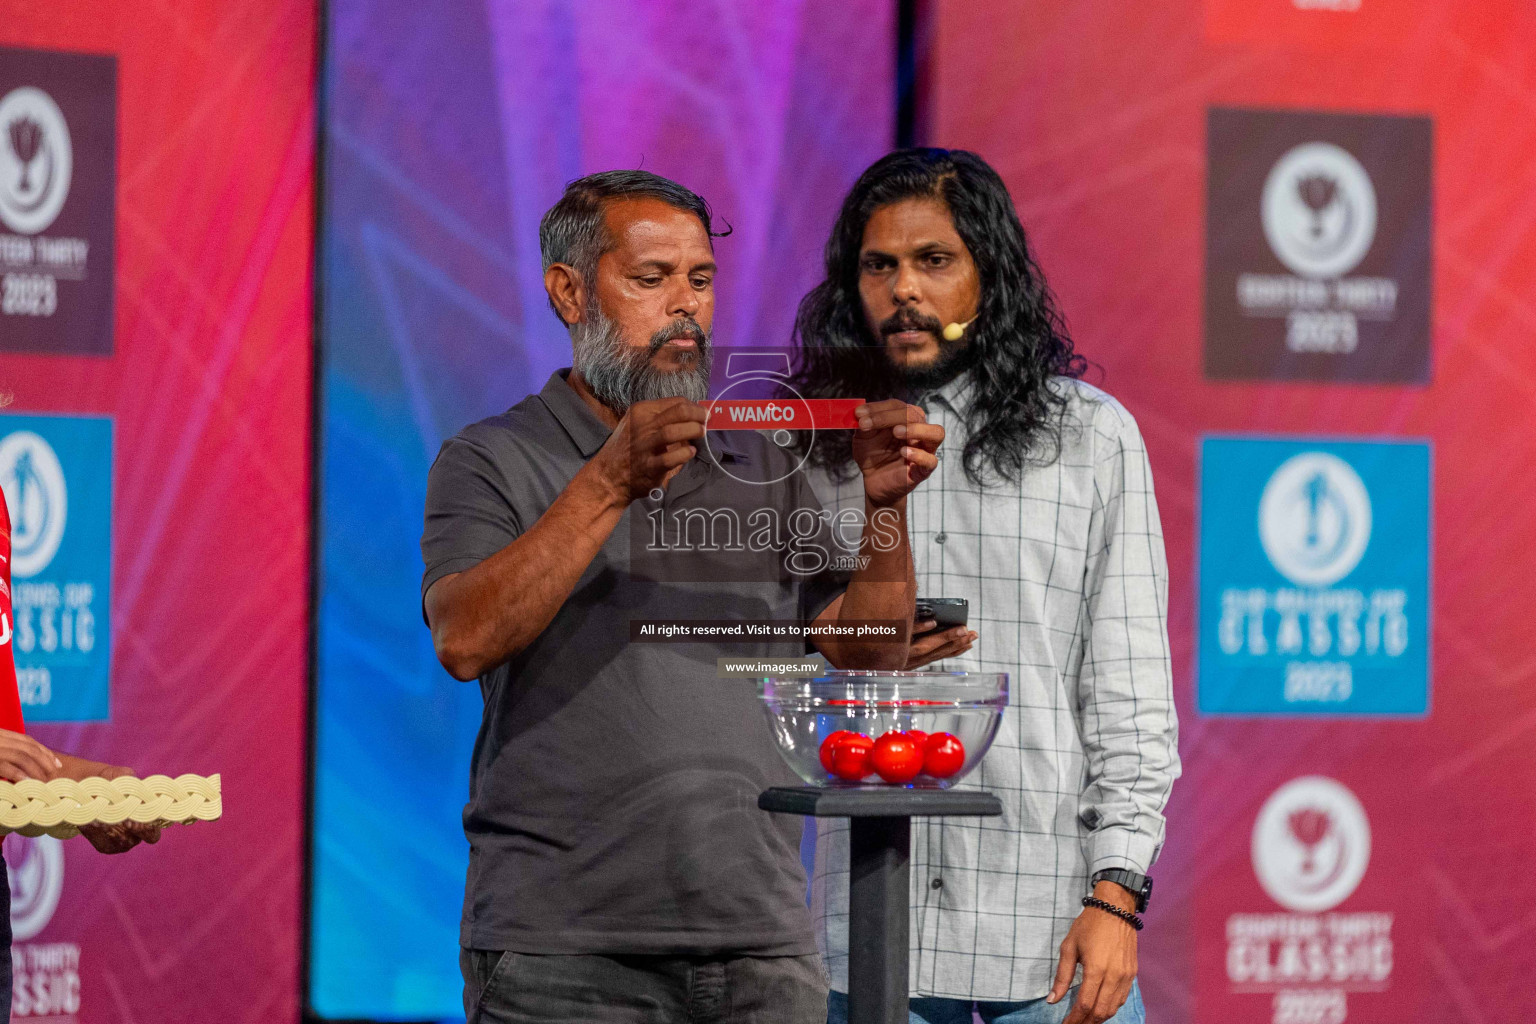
x,y
937,883
940,538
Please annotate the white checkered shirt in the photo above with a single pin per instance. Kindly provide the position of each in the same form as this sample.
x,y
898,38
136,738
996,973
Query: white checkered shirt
x,y
1068,589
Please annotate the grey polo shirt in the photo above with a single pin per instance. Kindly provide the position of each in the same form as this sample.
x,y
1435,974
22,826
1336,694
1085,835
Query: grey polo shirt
x,y
613,787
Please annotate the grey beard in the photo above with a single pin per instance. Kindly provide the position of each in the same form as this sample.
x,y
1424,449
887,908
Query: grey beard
x,y
621,375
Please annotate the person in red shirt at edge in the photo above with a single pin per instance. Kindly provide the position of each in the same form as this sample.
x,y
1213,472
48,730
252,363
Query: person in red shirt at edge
x,y
22,757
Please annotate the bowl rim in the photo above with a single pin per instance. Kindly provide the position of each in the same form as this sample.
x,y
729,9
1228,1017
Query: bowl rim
x,y
838,674
862,673
961,687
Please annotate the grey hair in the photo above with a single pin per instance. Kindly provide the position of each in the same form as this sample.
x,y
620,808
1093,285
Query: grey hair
x,y
572,231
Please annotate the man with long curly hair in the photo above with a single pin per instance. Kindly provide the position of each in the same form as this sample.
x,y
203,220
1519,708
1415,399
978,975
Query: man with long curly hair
x,y
1047,526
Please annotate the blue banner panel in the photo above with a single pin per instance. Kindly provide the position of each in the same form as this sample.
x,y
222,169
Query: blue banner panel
x,y
56,472
1314,577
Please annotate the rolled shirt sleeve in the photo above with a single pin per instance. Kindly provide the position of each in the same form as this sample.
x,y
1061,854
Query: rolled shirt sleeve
x,y
470,513
1125,692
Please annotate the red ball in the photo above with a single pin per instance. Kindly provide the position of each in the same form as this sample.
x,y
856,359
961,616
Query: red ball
x,y
829,743
850,757
943,755
897,757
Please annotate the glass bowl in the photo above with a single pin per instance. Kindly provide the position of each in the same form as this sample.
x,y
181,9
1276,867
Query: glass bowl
x,y
803,713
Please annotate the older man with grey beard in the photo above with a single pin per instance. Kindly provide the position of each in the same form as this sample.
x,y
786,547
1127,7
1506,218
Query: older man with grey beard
x,y
619,867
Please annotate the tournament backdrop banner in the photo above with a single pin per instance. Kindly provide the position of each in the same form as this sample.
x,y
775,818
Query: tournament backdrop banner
x,y
155,233
1298,238
451,128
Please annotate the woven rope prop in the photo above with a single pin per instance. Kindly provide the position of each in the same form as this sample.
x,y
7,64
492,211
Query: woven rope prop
x,y
60,807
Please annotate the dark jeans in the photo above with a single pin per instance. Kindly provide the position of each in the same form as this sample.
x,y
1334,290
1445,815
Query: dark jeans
x,y
5,940
524,988
930,1010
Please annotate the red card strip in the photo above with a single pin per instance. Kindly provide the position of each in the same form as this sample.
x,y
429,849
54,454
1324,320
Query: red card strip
x,y
788,414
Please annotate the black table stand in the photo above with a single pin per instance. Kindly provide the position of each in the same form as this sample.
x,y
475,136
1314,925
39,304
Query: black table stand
x,y
879,873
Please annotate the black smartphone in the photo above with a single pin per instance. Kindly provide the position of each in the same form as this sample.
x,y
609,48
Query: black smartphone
x,y
948,612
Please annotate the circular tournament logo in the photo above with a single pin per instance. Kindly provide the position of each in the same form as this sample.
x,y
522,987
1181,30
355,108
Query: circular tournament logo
x,y
1311,844
33,482
1314,519
36,869
1319,210
35,160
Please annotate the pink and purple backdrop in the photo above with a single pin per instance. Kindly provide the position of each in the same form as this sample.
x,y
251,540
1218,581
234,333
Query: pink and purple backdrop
x,y
1095,114
448,137
450,128
209,391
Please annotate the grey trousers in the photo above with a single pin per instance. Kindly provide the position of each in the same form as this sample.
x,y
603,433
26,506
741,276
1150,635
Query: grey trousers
x,y
524,988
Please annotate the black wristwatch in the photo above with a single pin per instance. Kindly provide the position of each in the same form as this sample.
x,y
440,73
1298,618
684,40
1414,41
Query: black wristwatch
x,y
1139,886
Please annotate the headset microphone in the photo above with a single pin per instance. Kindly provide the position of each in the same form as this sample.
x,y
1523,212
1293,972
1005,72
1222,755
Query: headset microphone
x,y
955,331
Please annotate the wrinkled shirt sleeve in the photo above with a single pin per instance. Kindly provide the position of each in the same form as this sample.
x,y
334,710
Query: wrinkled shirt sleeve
x,y
1125,693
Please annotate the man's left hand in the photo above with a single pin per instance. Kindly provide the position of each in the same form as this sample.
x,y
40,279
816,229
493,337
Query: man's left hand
x,y
122,837
1105,946
895,448
931,644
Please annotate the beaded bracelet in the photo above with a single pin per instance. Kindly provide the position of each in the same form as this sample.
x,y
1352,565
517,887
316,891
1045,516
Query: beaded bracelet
x,y
1108,907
